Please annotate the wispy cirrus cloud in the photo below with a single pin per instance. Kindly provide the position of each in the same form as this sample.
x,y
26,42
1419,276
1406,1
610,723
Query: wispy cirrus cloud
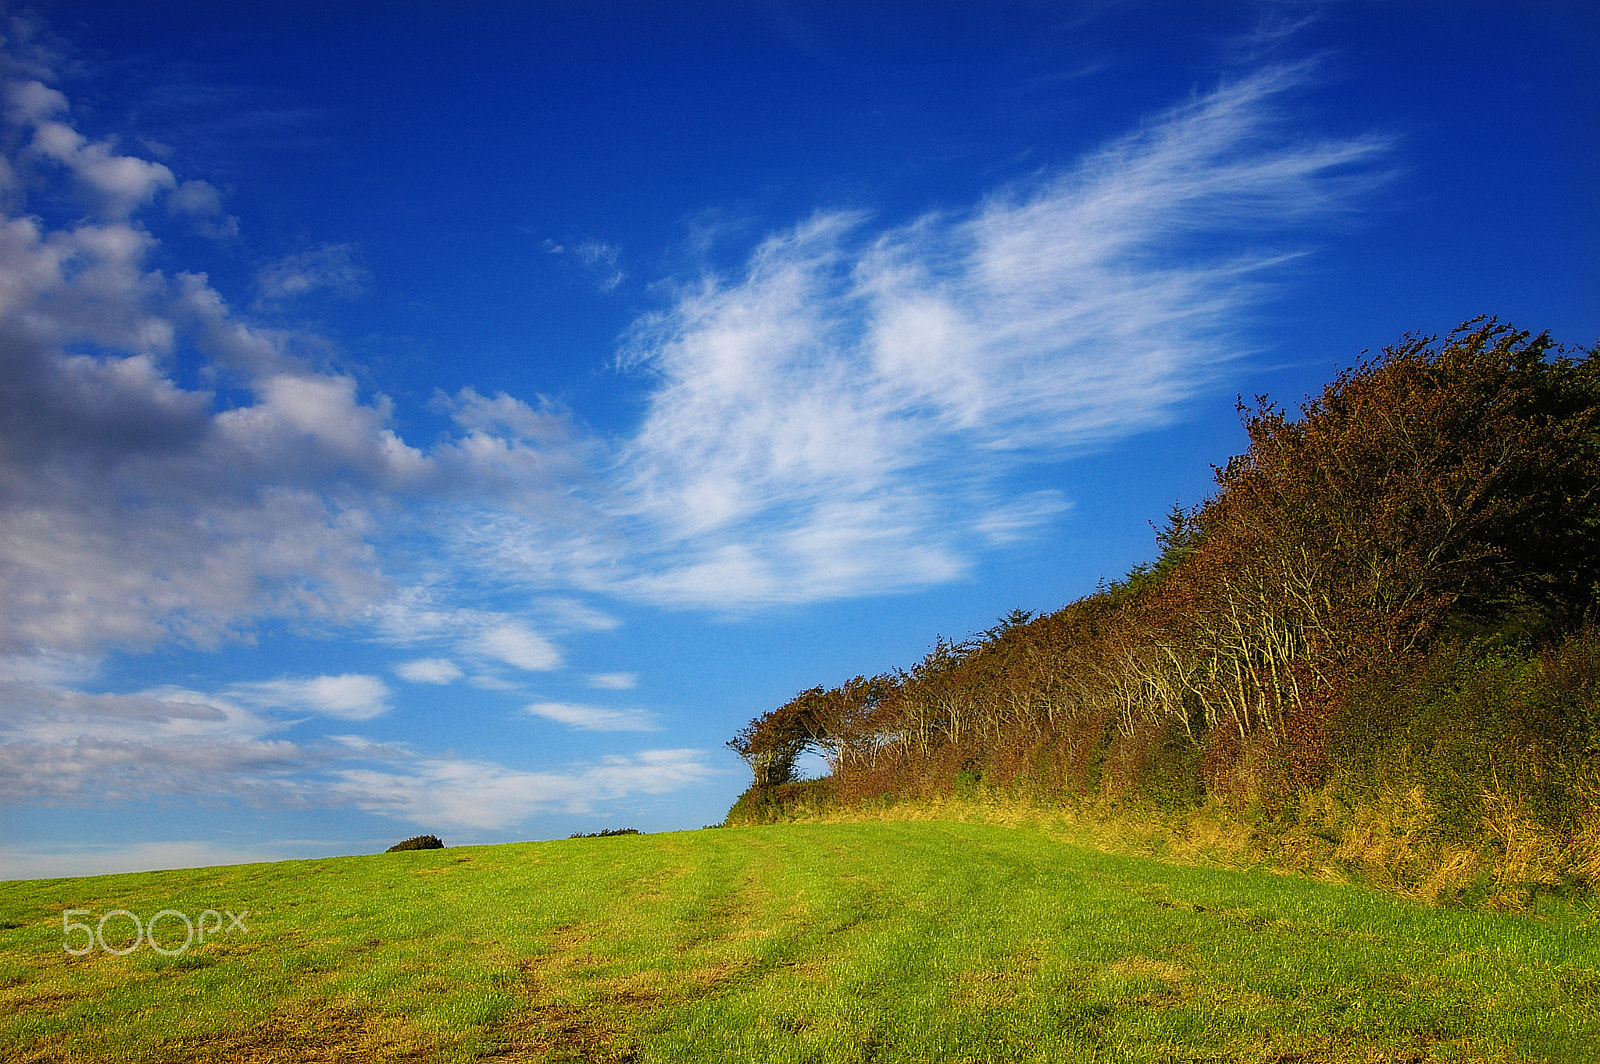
x,y
60,745
846,413
517,645
595,257
336,269
416,616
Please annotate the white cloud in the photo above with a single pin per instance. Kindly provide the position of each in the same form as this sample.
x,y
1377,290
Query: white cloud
x,y
137,512
201,203
114,185
199,198
60,745
613,681
334,268
46,667
28,103
568,614
595,257
846,414
416,616
520,647
441,793
141,511
351,696
430,670
593,718
64,746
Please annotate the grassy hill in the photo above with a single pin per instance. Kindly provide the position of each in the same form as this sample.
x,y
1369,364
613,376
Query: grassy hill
x,y
797,942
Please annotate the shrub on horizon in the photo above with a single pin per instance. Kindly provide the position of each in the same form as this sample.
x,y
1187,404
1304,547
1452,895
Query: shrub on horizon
x,y
417,842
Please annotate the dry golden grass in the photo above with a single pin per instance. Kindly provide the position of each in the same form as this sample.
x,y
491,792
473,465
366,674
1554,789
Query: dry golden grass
x,y
1393,841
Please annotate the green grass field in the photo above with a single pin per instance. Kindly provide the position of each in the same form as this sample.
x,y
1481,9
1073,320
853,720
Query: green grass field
x,y
911,941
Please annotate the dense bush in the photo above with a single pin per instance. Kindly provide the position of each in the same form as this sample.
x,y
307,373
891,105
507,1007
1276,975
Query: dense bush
x,y
783,801
417,842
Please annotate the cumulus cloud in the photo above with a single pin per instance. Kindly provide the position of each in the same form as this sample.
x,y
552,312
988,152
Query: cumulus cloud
x,y
137,511
593,718
351,696
30,103
113,185
141,511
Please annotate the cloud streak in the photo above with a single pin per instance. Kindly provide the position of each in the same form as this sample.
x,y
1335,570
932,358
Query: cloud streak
x,y
430,670
593,718
847,413
351,696
480,795
333,268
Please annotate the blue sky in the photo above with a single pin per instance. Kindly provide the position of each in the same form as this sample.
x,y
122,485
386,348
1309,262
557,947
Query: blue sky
x,y
462,418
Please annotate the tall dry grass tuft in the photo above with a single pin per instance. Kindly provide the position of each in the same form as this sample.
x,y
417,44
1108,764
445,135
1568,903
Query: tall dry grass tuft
x,y
1526,855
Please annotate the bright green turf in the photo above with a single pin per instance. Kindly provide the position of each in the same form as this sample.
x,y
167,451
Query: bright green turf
x,y
824,942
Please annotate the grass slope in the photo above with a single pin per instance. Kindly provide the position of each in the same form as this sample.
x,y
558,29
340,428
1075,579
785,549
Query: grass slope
x,y
808,942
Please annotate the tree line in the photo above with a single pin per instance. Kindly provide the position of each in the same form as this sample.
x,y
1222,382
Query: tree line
x,y
1392,591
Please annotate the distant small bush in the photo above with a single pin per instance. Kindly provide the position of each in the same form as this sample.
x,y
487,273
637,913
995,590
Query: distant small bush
x,y
418,842
605,834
